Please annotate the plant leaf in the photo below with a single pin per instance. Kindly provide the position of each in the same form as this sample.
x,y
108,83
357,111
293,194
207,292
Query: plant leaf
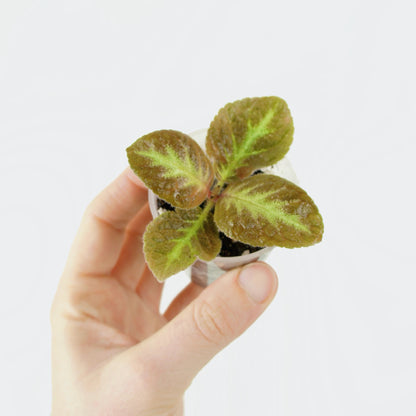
x,y
249,134
174,240
173,166
266,210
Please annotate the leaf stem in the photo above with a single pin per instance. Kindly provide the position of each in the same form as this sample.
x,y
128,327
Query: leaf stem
x,y
207,208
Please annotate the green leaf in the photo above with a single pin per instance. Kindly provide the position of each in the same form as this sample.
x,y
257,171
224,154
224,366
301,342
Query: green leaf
x,y
249,134
173,166
266,210
174,240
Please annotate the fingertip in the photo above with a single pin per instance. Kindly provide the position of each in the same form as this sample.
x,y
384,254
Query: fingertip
x,y
134,178
259,281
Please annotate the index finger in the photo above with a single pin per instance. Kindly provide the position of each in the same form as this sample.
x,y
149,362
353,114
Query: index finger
x,y
100,237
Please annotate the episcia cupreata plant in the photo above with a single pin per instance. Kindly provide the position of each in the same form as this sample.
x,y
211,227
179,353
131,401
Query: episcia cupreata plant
x,y
217,191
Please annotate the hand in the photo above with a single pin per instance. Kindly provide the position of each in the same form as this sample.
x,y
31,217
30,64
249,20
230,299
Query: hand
x,y
113,352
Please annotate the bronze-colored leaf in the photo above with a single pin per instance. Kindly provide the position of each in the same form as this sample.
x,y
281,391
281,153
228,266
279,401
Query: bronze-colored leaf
x,y
175,239
173,166
249,134
266,210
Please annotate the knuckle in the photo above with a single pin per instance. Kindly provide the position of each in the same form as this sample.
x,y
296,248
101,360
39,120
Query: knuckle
x,y
213,322
91,207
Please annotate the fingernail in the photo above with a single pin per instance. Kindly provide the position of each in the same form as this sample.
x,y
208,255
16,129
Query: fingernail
x,y
258,280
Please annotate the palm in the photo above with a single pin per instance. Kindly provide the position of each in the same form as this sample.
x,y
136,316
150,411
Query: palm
x,y
107,303
115,310
111,298
106,356
119,308
111,319
115,314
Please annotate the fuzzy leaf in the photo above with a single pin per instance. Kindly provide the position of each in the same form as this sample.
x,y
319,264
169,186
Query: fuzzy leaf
x,y
174,240
173,166
249,134
266,210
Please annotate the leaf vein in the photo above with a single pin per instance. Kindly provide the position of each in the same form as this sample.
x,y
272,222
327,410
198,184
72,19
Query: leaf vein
x,y
260,206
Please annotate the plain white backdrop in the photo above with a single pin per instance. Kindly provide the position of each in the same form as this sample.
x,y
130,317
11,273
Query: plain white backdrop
x,y
81,80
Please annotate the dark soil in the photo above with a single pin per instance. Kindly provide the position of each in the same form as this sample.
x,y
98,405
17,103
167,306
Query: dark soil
x,y
164,205
229,248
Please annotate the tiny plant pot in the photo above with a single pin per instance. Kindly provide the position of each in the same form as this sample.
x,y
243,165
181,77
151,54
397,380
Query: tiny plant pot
x,y
203,272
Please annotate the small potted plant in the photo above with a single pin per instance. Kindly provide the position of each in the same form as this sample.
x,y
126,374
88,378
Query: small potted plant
x,y
224,196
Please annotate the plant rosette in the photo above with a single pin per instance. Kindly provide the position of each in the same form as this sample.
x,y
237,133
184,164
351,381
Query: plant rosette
x,y
203,272
227,191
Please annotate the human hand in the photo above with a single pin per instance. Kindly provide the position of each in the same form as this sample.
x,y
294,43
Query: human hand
x,y
113,352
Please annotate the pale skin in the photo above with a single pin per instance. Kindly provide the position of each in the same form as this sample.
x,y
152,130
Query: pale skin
x,y
113,351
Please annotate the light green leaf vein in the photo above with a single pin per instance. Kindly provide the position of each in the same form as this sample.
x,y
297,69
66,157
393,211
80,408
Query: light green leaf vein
x,y
187,235
259,205
245,149
174,165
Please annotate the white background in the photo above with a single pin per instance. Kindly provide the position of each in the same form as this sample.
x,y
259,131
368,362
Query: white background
x,y
80,80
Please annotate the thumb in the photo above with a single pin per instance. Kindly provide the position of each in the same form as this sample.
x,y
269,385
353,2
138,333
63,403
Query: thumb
x,y
222,312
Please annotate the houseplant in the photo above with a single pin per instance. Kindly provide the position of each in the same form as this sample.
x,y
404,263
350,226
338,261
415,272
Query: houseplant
x,y
225,189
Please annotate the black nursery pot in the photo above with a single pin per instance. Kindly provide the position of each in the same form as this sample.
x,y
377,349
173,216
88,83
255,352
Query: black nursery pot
x,y
202,272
